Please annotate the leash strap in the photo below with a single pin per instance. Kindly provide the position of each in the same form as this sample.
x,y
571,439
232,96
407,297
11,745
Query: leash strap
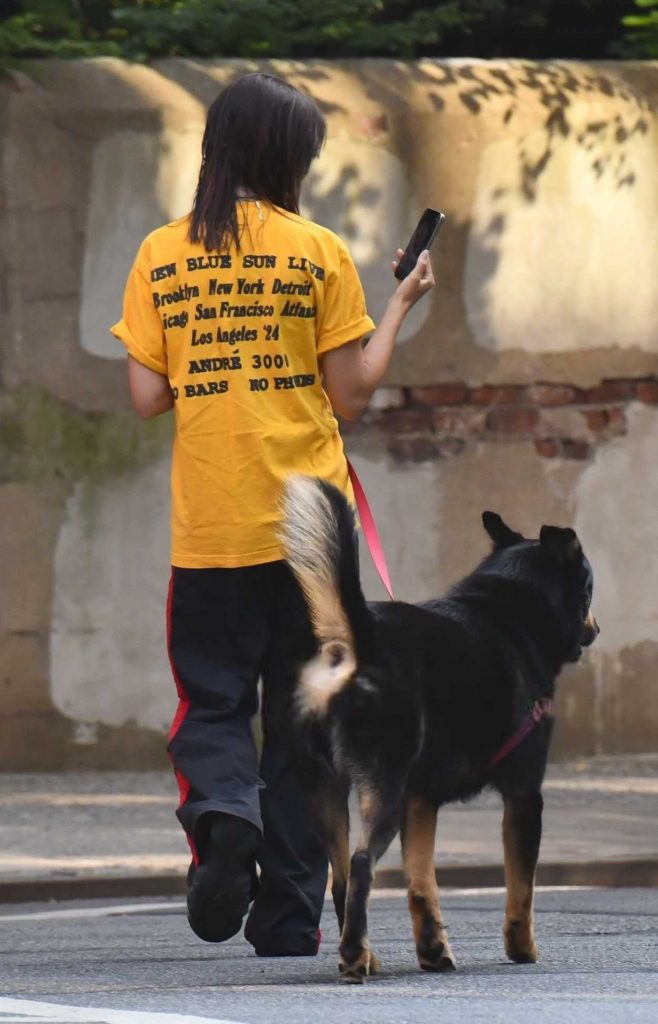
x,y
370,531
540,709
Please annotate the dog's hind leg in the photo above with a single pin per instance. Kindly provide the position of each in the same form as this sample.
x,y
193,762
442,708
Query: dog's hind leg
x,y
333,822
380,813
418,836
521,838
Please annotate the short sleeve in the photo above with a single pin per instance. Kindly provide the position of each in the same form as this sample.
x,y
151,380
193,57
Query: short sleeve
x,y
344,315
140,329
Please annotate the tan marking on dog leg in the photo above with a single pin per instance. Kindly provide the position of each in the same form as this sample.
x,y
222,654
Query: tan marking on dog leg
x,y
338,847
432,946
518,930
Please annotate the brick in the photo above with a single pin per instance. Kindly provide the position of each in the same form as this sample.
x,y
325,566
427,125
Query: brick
x,y
550,394
547,447
608,391
596,419
647,391
441,394
512,421
491,394
575,449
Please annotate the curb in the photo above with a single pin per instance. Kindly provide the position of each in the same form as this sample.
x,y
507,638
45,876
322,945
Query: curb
x,y
631,873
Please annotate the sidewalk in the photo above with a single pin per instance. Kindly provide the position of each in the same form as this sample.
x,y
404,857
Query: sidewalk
x,y
84,835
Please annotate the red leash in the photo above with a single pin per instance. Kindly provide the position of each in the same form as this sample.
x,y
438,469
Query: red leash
x,y
370,531
540,709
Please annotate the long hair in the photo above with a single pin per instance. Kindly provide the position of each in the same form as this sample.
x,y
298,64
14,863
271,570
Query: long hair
x,y
261,136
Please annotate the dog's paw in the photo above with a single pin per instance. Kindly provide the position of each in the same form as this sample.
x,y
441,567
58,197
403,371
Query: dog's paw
x,y
520,944
356,972
438,957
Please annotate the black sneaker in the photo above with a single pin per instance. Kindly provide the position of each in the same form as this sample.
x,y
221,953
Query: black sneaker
x,y
221,886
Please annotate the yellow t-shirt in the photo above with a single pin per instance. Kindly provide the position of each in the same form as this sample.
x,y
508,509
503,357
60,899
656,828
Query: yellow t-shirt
x,y
238,335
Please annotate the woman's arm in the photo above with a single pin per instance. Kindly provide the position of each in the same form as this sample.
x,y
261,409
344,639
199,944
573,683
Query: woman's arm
x,y
352,372
149,391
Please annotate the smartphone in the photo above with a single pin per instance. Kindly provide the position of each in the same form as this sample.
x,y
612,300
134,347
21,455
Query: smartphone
x,y
422,238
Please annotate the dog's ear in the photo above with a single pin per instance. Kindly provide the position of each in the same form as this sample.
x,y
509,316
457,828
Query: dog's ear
x,y
562,543
499,532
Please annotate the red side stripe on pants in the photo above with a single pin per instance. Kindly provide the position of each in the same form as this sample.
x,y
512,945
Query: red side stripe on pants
x,y
181,712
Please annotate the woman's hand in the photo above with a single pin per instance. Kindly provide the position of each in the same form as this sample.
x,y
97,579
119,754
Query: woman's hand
x,y
418,282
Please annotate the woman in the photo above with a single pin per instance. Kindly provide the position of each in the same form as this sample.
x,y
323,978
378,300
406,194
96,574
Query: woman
x,y
250,322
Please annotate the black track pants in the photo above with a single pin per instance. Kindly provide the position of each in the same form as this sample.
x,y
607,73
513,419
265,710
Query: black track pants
x,y
227,628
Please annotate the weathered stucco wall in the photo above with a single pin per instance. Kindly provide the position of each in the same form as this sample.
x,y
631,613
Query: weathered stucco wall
x,y
526,384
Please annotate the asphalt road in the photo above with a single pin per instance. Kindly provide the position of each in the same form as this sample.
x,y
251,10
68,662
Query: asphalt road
x,y
599,962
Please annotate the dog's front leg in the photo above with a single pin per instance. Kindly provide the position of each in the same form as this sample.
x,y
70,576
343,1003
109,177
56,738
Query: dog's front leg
x,y
418,836
521,838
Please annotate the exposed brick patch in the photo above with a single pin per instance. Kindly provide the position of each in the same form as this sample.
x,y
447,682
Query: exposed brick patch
x,y
550,394
508,420
441,394
434,422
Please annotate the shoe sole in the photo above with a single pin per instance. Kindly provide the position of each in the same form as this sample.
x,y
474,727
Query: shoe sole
x,y
220,888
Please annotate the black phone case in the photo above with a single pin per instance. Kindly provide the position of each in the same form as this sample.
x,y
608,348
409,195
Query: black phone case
x,y
415,246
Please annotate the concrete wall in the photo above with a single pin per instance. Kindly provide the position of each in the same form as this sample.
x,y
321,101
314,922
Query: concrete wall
x,y
526,384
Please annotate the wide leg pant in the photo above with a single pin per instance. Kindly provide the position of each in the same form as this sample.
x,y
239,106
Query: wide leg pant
x,y
226,629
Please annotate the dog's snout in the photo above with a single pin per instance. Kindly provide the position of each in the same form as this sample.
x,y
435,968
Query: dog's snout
x,y
591,630
592,624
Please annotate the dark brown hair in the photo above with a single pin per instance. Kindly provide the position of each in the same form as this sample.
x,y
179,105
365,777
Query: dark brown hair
x,y
261,136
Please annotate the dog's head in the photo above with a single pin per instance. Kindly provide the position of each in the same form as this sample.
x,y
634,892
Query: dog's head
x,y
554,564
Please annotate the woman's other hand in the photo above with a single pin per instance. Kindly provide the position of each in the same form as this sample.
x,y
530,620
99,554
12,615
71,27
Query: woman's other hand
x,y
418,282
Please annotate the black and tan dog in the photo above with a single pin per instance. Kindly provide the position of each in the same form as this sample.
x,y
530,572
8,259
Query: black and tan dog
x,y
419,705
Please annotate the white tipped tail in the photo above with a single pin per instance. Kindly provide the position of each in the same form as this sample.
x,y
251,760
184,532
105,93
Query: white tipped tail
x,y
311,540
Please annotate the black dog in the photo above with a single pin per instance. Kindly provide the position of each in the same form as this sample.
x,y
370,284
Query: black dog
x,y
419,705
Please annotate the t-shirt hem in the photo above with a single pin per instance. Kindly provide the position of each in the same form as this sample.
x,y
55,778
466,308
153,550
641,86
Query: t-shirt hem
x,y
180,560
345,334
124,335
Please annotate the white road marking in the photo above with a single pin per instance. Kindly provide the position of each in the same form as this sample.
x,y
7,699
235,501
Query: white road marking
x,y
148,862
631,786
112,910
85,799
26,1010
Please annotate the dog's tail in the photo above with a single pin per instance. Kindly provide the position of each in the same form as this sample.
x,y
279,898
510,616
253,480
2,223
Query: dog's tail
x,y
320,544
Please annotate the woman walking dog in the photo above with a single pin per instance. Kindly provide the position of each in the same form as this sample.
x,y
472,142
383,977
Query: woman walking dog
x,y
249,321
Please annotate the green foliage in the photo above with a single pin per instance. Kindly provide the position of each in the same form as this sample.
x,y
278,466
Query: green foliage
x,y
406,29
642,40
